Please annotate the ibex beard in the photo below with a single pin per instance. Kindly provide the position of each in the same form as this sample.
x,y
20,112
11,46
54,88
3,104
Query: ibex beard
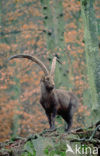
x,y
54,101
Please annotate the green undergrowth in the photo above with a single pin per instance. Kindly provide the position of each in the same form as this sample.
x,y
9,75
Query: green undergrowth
x,y
50,143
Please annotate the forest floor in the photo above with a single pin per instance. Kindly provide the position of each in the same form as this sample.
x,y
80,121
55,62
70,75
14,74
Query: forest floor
x,y
54,143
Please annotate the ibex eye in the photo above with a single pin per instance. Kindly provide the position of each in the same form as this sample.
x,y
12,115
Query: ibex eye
x,y
47,78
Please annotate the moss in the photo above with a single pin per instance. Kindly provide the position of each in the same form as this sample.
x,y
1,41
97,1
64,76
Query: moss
x,y
29,149
48,149
59,149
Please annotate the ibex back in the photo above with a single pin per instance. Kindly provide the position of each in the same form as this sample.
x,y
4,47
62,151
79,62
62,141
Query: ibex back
x,y
54,101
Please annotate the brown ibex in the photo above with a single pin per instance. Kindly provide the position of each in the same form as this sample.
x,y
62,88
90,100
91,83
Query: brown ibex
x,y
54,101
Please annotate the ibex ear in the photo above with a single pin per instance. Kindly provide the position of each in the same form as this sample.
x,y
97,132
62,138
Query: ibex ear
x,y
53,66
43,78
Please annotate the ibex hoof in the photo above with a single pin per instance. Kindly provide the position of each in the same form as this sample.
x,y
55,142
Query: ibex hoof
x,y
68,130
51,129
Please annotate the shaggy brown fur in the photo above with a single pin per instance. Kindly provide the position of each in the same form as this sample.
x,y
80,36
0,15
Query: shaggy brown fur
x,y
57,101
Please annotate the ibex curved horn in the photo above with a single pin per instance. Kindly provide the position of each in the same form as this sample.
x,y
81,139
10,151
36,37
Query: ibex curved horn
x,y
32,58
53,66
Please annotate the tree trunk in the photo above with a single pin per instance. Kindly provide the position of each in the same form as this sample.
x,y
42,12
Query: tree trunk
x,y
54,29
92,58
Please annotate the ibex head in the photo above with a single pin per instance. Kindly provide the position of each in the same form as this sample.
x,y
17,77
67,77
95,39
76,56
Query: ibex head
x,y
48,78
48,81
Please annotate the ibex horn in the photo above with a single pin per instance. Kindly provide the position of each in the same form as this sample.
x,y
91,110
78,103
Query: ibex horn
x,y
53,66
32,58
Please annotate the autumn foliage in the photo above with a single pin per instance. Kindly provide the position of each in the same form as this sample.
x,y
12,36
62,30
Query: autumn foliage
x,y
22,31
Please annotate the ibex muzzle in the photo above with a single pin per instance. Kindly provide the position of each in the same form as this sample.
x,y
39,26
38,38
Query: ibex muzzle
x,y
54,101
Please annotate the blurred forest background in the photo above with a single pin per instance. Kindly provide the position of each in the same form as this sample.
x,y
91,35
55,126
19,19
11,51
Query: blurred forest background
x,y
42,28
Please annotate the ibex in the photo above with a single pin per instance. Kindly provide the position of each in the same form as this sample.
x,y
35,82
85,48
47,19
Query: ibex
x,y
54,101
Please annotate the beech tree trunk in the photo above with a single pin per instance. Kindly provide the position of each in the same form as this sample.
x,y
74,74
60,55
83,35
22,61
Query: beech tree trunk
x,y
92,58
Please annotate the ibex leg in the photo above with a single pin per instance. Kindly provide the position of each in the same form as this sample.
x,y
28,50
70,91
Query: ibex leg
x,y
51,119
68,118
